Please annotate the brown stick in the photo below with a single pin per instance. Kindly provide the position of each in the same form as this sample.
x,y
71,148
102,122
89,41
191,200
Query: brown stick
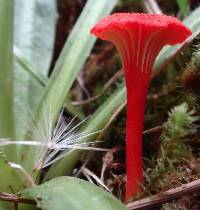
x,y
15,206
11,198
116,76
154,129
169,195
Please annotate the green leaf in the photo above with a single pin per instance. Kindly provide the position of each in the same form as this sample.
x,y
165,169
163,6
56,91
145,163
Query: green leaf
x,y
28,68
6,74
10,180
168,52
192,21
34,34
183,6
96,122
35,23
5,205
74,194
75,111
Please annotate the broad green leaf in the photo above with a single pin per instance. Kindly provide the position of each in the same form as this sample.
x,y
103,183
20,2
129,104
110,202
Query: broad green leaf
x,y
96,122
168,52
6,74
34,33
73,56
73,194
184,6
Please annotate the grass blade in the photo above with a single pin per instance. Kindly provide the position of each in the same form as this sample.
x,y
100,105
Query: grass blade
x,y
34,33
184,6
6,74
27,67
34,26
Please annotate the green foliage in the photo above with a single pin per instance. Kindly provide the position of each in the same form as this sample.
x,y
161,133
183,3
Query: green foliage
x,y
34,34
10,180
180,123
179,126
15,183
195,61
74,194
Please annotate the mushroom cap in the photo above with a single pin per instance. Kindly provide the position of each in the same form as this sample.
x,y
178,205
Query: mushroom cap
x,y
174,30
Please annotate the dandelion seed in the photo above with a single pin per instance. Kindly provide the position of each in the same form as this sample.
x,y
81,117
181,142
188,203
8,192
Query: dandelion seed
x,y
51,140
62,138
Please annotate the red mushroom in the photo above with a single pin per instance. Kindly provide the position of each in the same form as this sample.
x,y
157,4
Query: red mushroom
x,y
138,38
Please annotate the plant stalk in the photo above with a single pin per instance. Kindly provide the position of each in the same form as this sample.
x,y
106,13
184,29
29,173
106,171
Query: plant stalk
x,y
137,88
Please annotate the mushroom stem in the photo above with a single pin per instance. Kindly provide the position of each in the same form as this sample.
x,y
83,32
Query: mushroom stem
x,y
136,97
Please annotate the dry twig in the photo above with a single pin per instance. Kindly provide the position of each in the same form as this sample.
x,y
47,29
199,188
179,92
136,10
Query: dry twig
x,y
169,195
154,129
12,198
116,76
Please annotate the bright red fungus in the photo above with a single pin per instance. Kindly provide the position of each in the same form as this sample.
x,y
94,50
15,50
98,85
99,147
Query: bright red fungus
x,y
138,38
